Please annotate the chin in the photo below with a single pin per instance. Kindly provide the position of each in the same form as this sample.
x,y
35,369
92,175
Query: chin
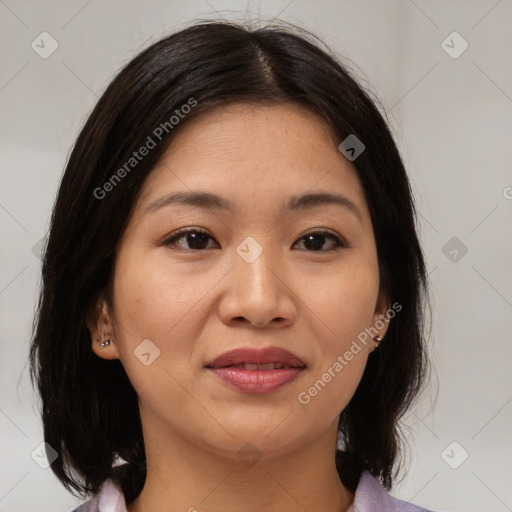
x,y
263,440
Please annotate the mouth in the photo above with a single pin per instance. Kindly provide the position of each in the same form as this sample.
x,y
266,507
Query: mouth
x,y
258,366
269,358
257,370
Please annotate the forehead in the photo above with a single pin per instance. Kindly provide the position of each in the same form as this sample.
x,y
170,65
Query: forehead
x,y
256,155
285,130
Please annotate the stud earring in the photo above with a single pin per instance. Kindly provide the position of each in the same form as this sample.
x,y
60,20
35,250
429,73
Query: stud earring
x,y
377,340
105,343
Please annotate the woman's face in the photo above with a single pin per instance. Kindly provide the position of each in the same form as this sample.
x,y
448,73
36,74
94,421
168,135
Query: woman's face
x,y
253,273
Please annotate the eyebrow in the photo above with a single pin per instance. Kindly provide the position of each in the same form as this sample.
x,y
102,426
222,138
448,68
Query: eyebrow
x,y
207,200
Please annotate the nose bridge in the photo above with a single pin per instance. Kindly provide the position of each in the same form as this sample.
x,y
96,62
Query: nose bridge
x,y
257,266
258,292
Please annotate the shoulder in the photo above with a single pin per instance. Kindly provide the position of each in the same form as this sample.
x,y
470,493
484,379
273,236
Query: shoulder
x,y
371,497
109,499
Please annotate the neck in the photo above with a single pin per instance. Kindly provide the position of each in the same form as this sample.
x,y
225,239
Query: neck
x,y
182,476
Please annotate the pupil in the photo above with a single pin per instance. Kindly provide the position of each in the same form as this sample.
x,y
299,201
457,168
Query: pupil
x,y
198,240
315,246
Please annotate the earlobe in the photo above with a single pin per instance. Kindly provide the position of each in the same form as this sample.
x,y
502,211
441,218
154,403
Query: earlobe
x,y
105,348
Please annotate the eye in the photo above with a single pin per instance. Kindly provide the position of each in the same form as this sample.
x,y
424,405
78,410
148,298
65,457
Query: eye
x,y
316,240
197,240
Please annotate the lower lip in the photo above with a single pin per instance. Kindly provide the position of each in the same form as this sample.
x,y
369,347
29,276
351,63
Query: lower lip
x,y
257,381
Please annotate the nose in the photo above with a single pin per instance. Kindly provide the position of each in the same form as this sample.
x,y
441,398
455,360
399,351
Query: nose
x,y
259,293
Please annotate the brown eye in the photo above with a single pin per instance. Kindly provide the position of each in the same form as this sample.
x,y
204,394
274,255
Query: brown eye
x,y
196,239
315,241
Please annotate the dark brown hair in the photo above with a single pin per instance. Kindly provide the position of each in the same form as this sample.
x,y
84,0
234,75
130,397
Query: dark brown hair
x,y
89,407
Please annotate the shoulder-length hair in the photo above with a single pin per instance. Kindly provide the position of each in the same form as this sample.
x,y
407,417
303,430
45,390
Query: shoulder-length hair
x,y
89,407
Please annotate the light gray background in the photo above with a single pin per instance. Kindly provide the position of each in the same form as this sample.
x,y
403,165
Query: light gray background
x,y
452,120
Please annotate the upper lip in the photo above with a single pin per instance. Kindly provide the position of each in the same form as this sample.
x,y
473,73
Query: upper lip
x,y
258,356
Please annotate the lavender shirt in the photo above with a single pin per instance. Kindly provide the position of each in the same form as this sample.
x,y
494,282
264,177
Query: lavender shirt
x,y
369,497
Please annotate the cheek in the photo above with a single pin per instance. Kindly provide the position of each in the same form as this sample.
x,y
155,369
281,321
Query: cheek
x,y
344,303
329,391
151,298
151,303
343,308
167,304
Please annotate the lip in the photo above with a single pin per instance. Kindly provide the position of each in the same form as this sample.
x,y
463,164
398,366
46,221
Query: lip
x,y
228,367
257,356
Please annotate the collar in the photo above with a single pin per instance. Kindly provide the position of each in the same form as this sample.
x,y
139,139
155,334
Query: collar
x,y
369,497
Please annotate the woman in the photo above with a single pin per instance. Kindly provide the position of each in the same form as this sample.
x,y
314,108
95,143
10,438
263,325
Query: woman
x,y
233,238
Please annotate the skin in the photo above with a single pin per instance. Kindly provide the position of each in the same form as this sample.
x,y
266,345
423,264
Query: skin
x,y
195,304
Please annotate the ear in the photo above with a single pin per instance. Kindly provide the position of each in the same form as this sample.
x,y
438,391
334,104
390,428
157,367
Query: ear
x,y
381,317
100,326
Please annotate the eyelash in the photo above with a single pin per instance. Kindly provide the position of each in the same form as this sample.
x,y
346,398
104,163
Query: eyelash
x,y
339,243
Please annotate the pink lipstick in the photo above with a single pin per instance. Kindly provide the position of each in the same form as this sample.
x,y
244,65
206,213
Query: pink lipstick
x,y
257,370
